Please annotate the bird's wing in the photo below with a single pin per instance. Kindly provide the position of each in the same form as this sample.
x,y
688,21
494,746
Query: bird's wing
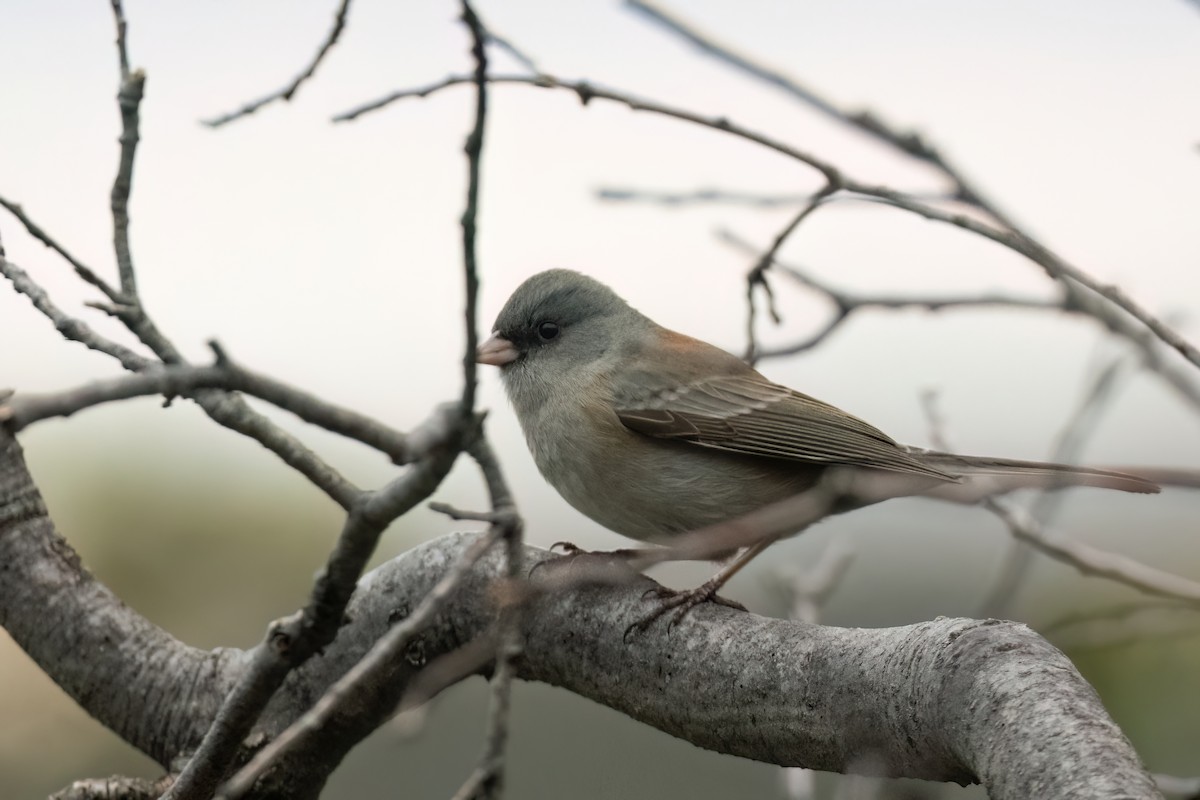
x,y
749,414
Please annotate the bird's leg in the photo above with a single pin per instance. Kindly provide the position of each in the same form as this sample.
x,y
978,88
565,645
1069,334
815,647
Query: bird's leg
x,y
681,602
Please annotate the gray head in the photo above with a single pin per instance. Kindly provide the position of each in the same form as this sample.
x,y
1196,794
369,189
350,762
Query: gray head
x,y
557,325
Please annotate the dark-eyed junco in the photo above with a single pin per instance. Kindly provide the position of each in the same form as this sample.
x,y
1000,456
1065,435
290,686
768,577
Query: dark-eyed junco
x,y
652,433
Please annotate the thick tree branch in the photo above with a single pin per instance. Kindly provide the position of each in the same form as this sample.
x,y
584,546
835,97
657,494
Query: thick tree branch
x,y
944,700
957,700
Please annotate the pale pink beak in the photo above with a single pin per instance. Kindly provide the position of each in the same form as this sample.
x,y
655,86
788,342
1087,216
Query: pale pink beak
x,y
496,351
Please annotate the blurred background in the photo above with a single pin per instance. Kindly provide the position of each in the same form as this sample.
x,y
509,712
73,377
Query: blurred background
x,y
328,256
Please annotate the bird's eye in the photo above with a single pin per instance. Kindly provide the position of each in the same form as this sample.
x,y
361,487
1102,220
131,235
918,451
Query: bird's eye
x,y
547,330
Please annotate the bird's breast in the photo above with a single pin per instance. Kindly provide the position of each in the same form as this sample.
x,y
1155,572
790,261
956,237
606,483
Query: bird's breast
x,y
646,488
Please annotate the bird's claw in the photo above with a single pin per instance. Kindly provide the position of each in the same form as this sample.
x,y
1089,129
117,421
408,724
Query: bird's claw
x,y
679,602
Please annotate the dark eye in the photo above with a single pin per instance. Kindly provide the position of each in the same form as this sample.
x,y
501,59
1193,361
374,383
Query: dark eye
x,y
547,330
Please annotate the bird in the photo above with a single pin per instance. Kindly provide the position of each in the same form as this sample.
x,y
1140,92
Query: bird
x,y
653,434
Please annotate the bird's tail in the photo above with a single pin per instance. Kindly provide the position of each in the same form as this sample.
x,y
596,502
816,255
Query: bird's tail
x,y
982,477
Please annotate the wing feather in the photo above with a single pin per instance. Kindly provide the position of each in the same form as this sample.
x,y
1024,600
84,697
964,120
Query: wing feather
x,y
748,414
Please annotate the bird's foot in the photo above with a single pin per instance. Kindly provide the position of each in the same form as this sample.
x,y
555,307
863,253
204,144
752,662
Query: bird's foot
x,y
677,604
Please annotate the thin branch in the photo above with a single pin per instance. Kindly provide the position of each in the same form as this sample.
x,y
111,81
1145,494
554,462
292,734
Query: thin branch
x,y
23,410
909,142
286,93
71,328
757,274
699,196
470,215
122,52
228,410
1095,562
1071,439
82,270
618,194
129,98
522,58
1085,559
588,92
131,311
1054,266
846,303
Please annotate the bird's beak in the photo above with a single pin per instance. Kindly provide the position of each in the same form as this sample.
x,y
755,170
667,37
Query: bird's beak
x,y
496,351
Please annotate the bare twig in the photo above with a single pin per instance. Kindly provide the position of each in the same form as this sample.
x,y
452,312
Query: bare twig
x,y
908,142
731,197
82,270
228,410
1079,427
588,92
1071,277
286,93
71,328
129,97
846,303
122,52
470,215
757,274
1096,562
23,410
517,53
1087,560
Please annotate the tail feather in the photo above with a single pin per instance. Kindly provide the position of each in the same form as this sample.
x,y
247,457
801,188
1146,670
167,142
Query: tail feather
x,y
983,477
